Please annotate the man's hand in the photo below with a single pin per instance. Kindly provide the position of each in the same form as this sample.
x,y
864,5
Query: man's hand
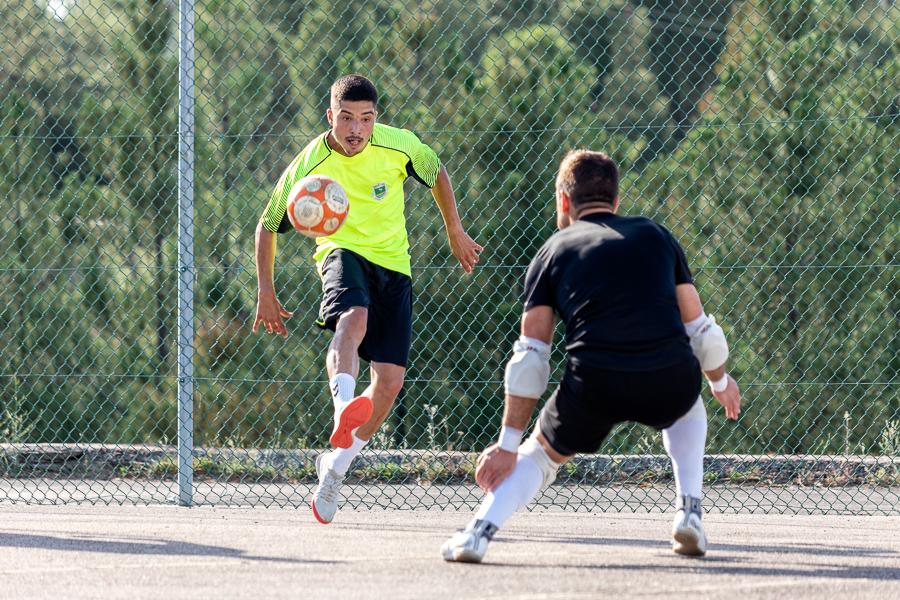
x,y
465,249
493,467
270,313
730,399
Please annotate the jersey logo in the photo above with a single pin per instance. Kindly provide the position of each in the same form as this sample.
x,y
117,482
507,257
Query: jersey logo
x,y
379,191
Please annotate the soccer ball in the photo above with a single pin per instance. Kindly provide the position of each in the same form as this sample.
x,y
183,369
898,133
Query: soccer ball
x,y
317,206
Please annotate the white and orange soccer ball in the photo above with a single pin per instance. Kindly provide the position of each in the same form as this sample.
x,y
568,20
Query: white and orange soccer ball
x,y
317,206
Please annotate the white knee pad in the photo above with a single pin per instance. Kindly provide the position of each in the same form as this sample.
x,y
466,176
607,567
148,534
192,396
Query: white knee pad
x,y
532,449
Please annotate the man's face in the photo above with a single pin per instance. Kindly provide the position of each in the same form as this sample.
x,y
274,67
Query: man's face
x,y
351,125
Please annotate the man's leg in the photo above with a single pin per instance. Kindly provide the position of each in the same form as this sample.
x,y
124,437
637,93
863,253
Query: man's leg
x,y
349,332
350,411
565,426
388,335
345,310
685,441
387,379
383,338
536,468
342,362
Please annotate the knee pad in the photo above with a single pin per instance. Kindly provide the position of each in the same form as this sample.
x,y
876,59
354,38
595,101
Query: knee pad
x,y
532,449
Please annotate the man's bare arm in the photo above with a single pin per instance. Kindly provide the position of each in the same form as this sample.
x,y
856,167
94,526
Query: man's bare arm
x,y
269,311
495,464
266,245
537,323
691,309
464,248
689,304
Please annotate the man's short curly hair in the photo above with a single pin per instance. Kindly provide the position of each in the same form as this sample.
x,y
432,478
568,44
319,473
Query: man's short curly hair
x,y
353,88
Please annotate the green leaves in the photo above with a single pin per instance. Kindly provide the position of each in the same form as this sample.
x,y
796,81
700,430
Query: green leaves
x,y
763,134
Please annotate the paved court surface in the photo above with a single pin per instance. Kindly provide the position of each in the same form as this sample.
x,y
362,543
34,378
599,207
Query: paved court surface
x,y
169,552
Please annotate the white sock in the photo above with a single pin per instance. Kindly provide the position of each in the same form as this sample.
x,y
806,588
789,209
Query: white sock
x,y
343,388
514,493
685,441
339,459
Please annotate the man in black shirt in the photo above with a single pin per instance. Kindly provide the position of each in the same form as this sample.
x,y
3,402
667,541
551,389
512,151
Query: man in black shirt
x,y
636,342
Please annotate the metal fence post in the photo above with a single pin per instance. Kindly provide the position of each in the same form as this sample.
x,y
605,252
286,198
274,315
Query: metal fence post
x,y
185,252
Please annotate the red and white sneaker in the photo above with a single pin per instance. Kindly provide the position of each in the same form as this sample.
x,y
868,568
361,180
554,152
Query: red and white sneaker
x,y
347,418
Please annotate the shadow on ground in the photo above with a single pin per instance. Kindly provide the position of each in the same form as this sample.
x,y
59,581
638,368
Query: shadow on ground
x,y
726,559
136,546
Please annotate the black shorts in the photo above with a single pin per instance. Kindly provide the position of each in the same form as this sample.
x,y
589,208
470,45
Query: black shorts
x,y
350,280
589,402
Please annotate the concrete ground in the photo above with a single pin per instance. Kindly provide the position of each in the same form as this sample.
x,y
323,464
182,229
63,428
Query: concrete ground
x,y
207,552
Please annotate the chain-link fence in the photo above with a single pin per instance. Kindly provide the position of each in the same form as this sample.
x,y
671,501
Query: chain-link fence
x,y
763,134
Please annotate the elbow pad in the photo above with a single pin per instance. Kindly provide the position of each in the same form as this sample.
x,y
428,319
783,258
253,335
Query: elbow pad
x,y
709,345
528,371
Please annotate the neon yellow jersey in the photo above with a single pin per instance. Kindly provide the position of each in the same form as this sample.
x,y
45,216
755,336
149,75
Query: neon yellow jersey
x,y
373,179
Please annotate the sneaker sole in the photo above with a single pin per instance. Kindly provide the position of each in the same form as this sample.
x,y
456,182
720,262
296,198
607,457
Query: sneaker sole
x,y
465,555
317,515
357,413
687,543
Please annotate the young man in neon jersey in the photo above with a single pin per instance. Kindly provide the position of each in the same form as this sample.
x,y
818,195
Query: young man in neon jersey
x,y
365,266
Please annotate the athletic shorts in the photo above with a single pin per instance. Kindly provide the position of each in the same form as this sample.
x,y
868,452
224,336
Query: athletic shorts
x,y
589,402
350,280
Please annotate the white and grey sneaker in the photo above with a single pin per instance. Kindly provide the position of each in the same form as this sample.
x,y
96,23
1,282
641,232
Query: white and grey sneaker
x,y
327,494
687,530
469,544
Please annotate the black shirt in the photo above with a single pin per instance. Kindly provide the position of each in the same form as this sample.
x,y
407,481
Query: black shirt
x,y
612,281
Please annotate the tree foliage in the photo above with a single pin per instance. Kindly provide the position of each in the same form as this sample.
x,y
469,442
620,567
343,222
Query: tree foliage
x,y
763,134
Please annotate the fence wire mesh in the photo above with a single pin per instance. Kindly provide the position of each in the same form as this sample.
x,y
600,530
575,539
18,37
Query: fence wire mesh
x,y
763,134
